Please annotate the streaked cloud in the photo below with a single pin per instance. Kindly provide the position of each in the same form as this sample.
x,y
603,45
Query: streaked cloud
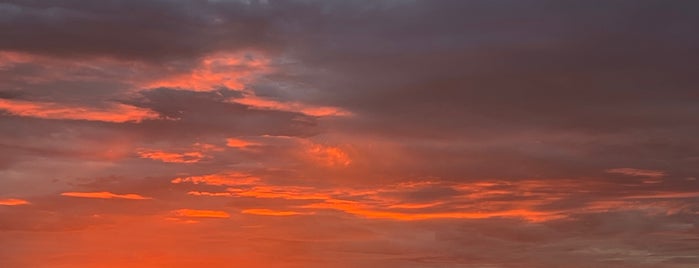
x,y
199,213
170,157
255,102
638,172
269,212
13,202
362,133
116,113
239,143
105,195
229,178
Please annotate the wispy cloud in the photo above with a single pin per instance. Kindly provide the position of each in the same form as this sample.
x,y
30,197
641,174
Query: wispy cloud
x,y
105,195
198,213
13,202
172,157
638,172
116,113
269,212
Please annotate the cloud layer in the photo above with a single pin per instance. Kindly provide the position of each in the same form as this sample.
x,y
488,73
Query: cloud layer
x,y
349,134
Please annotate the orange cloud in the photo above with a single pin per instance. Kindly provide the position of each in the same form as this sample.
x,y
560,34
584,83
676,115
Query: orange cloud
x,y
474,200
282,192
116,113
219,70
13,202
196,213
238,143
526,199
266,104
167,157
230,178
198,193
365,211
328,155
664,195
269,212
105,195
637,172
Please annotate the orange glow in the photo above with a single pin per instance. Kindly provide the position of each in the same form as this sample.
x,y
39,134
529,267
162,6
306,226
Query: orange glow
x,y
13,202
375,204
363,210
105,195
238,143
269,212
205,147
329,155
231,178
214,71
188,157
197,193
266,104
197,213
116,113
291,193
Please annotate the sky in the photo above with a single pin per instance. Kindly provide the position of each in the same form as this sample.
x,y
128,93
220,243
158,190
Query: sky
x,y
377,133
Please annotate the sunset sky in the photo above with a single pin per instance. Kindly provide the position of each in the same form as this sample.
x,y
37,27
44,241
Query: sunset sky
x,y
395,133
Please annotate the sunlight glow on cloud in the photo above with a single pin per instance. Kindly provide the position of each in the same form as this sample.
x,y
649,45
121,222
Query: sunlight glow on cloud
x,y
105,195
116,113
230,178
198,213
230,70
13,202
323,134
328,155
239,143
268,104
169,157
269,212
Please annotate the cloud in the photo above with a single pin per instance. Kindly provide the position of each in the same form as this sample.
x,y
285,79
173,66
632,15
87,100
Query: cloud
x,y
105,195
229,178
379,133
256,102
168,157
239,143
13,202
232,71
269,212
116,113
197,213
638,172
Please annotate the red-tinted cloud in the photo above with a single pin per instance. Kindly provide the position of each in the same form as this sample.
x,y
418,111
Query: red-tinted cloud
x,y
105,195
13,202
116,113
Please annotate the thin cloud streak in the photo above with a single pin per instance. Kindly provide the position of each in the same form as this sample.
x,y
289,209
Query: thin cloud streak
x,y
13,202
105,195
115,113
